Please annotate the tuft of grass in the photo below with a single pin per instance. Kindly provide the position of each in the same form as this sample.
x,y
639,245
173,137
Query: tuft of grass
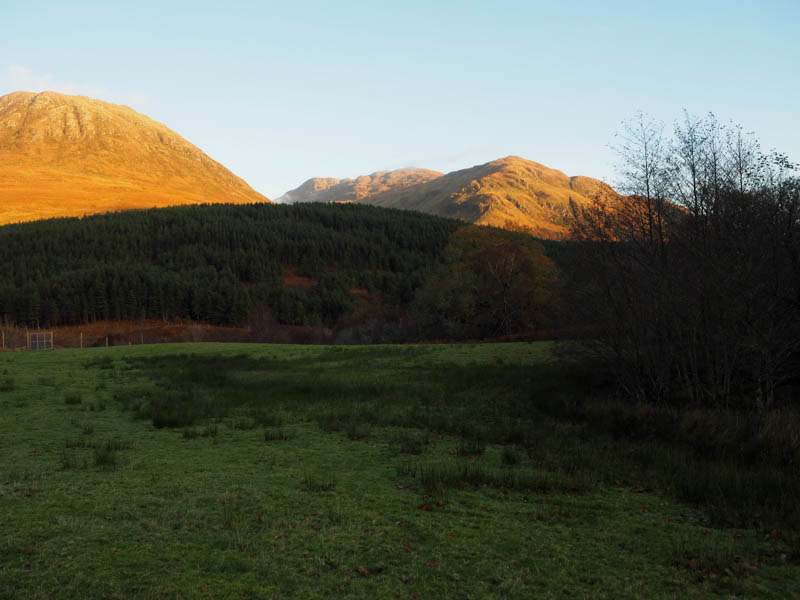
x,y
114,445
105,458
17,476
268,419
69,462
510,457
7,385
469,448
406,469
319,483
333,421
101,362
406,442
245,424
73,399
171,410
437,478
357,431
78,444
275,434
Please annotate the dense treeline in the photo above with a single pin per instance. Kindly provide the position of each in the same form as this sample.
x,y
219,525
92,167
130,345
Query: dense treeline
x,y
215,263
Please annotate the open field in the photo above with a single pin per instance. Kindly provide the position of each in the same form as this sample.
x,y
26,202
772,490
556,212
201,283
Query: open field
x,y
441,471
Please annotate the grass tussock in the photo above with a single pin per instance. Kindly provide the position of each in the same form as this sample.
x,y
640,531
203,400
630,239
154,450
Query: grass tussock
x,y
245,424
510,457
100,362
105,458
409,442
275,434
437,478
470,448
357,431
313,482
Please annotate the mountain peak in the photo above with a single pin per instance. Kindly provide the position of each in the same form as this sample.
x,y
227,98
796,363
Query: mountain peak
x,y
510,192
64,155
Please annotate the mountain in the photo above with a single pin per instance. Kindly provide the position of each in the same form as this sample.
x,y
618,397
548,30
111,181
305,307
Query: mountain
x,y
326,189
512,192
71,155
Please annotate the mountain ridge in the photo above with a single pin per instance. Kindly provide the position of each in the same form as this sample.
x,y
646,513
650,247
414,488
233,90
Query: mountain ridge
x,y
510,192
329,189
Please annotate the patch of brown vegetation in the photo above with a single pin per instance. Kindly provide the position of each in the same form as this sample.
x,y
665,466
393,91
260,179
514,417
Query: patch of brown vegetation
x,y
294,280
155,331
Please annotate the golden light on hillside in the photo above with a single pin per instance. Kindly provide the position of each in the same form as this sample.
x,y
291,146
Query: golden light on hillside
x,y
71,155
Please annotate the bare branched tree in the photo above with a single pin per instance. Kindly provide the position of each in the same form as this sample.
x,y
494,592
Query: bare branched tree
x,y
695,283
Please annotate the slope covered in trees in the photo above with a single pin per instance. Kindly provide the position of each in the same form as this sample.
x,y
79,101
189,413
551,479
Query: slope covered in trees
x,y
309,264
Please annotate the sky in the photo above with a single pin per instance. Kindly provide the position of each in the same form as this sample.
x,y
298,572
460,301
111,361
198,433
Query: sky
x,y
280,92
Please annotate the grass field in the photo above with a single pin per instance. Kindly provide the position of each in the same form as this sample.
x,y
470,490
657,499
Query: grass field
x,y
427,472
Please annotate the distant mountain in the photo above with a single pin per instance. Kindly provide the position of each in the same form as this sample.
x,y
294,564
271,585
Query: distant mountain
x,y
71,155
326,189
512,192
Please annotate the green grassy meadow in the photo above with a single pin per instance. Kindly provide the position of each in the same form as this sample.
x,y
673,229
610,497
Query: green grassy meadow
x,y
411,472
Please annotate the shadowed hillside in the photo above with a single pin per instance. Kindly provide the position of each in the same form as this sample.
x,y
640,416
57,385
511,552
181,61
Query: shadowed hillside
x,y
71,155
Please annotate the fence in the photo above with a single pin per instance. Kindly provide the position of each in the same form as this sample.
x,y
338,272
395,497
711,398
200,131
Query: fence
x,y
40,340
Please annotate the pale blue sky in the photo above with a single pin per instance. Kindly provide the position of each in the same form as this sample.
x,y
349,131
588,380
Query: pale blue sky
x,y
280,92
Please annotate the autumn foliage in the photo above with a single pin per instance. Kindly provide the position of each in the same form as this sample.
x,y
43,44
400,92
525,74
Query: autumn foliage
x,y
490,283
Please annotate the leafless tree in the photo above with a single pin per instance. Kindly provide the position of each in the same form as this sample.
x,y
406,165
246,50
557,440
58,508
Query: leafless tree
x,y
695,282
